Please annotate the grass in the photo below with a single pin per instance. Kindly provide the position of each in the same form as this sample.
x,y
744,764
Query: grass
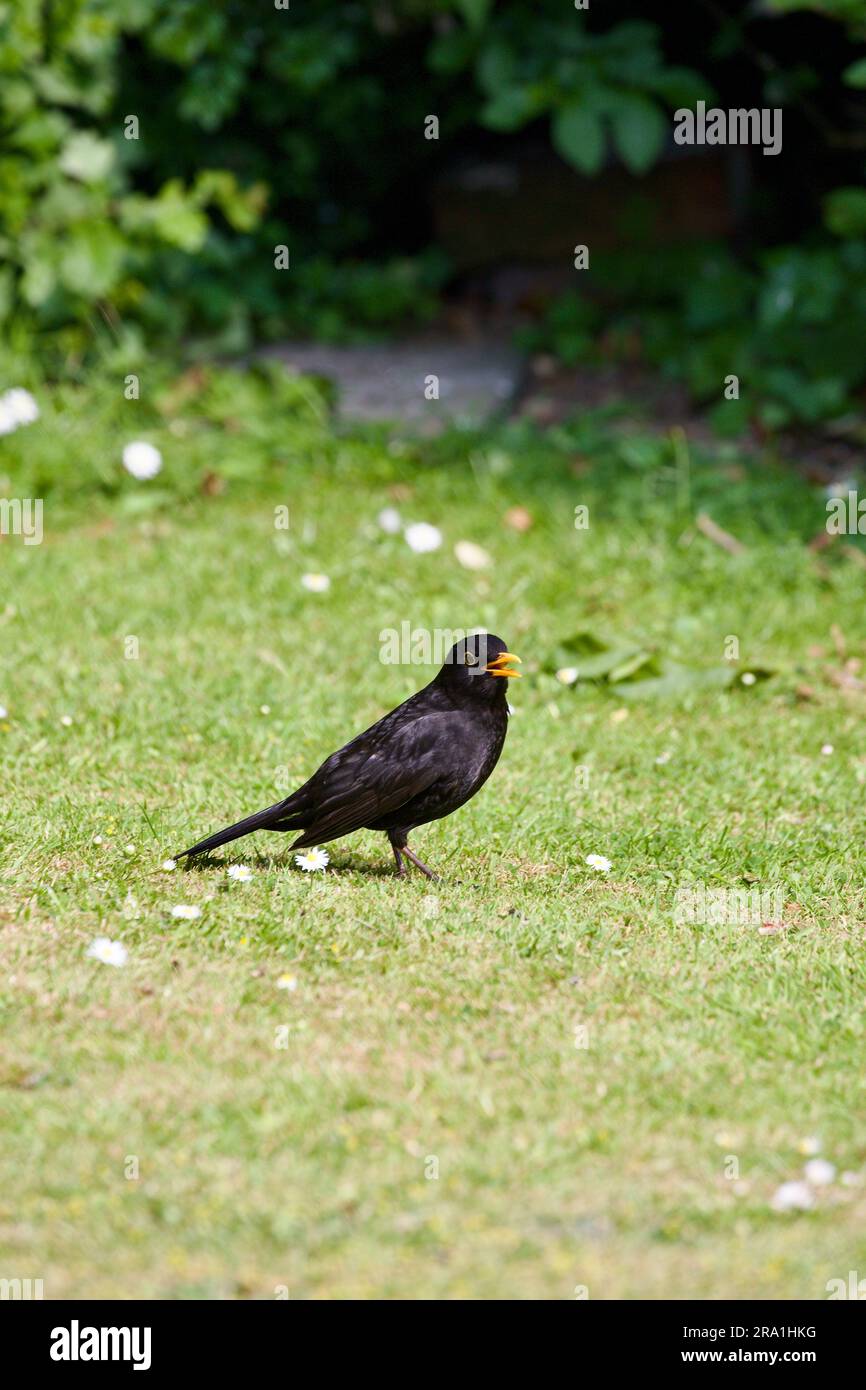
x,y
418,1118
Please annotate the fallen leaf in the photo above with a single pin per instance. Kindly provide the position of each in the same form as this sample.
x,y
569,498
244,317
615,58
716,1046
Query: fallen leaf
x,y
717,535
518,518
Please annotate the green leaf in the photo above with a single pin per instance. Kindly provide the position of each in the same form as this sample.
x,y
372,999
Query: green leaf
x,y
855,75
509,109
495,68
639,129
676,681
845,212
92,259
86,157
474,12
578,135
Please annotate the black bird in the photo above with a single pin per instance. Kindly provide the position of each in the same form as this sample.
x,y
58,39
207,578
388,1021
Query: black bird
x,y
417,764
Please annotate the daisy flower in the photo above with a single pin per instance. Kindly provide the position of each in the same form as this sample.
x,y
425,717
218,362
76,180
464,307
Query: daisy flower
x,y
793,1196
599,863
186,913
422,537
748,678
567,675
3,711
241,873
22,405
142,460
66,721
108,951
315,583
312,859
289,982
819,1172
168,865
826,749
17,407
389,520
472,556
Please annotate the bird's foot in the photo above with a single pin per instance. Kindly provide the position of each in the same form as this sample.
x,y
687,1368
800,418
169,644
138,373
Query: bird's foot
x,y
419,864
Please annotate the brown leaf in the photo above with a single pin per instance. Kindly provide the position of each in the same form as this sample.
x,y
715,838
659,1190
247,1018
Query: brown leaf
x,y
714,533
518,518
212,485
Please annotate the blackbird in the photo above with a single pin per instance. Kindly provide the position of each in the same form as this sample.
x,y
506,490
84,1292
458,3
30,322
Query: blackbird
x,y
417,764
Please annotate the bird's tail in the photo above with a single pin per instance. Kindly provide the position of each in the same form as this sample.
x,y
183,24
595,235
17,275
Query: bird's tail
x,y
276,817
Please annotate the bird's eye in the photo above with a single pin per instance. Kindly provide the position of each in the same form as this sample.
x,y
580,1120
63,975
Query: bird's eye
x,y
471,659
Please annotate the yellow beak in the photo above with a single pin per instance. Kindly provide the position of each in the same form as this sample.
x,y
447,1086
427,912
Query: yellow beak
x,y
497,667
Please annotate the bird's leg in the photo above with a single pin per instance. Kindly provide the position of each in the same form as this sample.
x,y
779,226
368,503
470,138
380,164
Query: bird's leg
x,y
401,867
419,863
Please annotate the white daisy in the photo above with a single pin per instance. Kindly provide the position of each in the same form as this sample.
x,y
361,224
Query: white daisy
x,y
3,712
664,757
129,849
748,678
422,537
241,873
316,583
810,1146
312,859
599,863
168,866
142,460
108,951
826,749
21,405
819,1172
567,675
389,520
188,914
793,1196
66,721
472,556
289,982
17,407
264,709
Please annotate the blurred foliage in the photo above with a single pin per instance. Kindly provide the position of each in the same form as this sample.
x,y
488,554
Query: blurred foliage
x,y
214,427
155,153
593,86
791,327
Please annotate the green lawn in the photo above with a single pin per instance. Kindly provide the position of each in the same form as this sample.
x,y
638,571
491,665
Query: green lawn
x,y
291,1137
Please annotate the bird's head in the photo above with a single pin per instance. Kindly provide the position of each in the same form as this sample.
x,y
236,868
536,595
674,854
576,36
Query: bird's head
x,y
479,666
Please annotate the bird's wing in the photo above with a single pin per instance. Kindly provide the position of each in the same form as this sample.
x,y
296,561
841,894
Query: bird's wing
x,y
367,780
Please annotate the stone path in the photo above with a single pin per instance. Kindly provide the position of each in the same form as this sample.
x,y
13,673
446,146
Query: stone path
x,y
388,382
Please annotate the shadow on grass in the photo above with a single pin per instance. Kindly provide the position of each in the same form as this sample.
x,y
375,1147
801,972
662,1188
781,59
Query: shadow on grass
x,y
207,864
